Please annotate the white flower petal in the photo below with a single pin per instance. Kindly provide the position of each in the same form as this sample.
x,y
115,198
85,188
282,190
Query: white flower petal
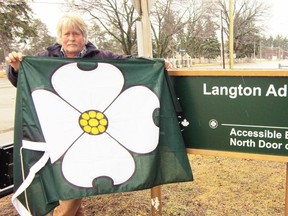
x,y
58,120
94,156
95,88
130,119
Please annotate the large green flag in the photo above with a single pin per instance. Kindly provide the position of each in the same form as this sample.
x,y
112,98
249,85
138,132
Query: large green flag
x,y
89,127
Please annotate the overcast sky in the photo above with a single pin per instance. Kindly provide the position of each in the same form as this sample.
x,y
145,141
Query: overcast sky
x,y
279,19
49,11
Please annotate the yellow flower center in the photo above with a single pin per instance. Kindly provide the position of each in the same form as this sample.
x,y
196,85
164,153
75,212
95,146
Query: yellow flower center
x,y
93,122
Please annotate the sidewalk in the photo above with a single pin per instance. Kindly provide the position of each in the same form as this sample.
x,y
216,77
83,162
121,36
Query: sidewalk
x,y
7,111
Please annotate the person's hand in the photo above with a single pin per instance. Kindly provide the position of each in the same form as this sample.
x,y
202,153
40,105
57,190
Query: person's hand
x,y
168,64
14,59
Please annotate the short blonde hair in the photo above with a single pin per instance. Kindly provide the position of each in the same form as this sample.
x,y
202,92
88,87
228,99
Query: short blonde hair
x,y
74,21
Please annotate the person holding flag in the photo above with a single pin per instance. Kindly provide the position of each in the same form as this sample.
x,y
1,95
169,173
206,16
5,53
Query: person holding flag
x,y
72,42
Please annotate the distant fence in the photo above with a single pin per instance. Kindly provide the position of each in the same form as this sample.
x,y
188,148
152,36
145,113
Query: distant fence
x,y
186,61
282,66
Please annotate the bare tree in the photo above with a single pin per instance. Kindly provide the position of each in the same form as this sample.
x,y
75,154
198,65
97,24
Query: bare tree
x,y
249,17
117,18
170,18
198,31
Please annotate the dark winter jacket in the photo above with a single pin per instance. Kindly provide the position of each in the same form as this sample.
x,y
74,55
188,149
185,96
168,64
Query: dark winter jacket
x,y
55,51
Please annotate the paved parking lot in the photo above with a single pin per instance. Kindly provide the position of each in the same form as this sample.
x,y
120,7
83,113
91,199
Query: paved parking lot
x,y
7,111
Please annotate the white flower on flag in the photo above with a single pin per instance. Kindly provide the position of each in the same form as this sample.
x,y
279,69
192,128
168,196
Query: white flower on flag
x,y
92,126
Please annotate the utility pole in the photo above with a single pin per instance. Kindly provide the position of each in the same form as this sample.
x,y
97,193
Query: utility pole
x,y
222,40
231,35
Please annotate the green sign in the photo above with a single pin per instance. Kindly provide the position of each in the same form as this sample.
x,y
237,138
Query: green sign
x,y
235,114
